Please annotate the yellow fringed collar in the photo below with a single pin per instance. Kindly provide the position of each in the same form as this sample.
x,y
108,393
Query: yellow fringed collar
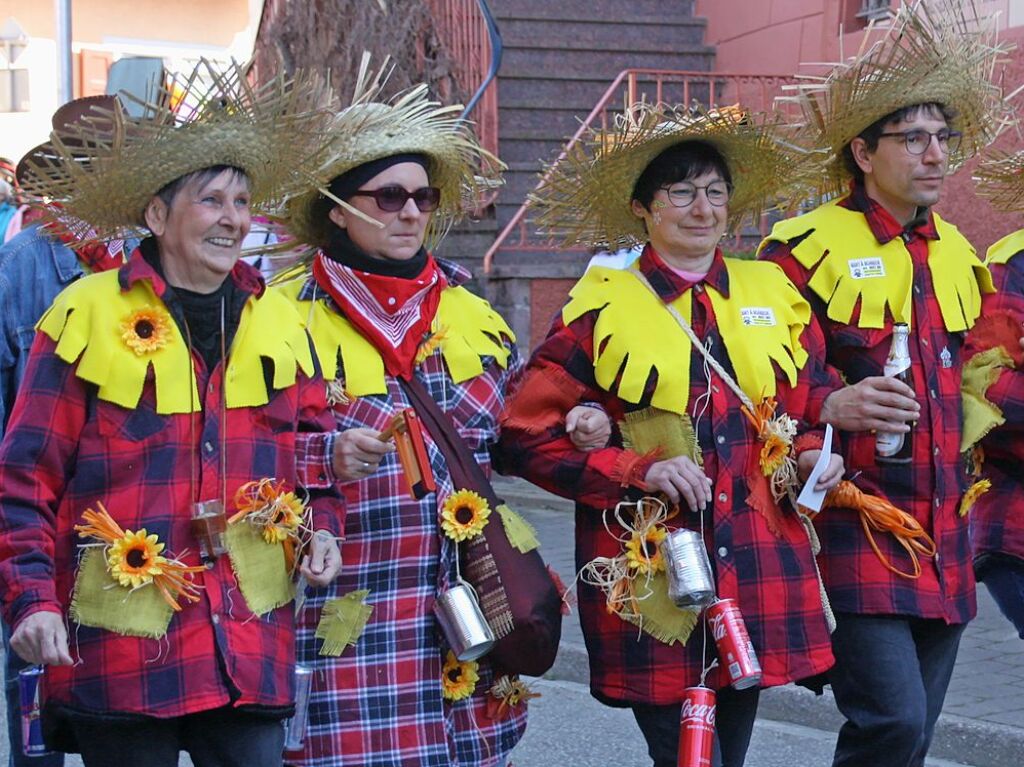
x,y
466,328
116,335
1002,251
852,268
760,322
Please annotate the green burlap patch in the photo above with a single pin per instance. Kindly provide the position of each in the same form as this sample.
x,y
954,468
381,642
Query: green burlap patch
x,y
519,532
259,568
100,601
659,616
342,622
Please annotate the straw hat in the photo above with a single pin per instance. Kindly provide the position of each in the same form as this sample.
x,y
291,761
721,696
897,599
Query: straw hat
x,y
105,168
940,52
1000,179
370,130
586,195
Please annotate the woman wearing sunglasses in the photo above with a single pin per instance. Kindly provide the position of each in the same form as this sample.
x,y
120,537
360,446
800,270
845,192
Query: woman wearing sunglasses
x,y
714,371
385,315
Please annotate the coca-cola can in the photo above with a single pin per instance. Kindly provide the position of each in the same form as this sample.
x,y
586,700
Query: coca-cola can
x,y
696,727
734,648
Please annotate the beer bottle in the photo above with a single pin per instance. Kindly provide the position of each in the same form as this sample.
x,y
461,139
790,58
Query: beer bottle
x,y
889,447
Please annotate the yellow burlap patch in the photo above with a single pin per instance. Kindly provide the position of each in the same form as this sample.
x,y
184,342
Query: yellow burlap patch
x,y
259,568
652,429
342,622
100,601
519,532
981,415
658,616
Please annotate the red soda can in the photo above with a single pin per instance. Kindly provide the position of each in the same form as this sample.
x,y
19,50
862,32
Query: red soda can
x,y
734,648
696,727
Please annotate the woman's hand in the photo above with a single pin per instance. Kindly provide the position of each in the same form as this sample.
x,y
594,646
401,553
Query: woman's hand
x,y
829,478
681,478
358,453
588,427
323,562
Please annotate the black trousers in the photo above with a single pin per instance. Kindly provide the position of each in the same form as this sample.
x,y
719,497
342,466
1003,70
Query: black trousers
x,y
222,737
734,722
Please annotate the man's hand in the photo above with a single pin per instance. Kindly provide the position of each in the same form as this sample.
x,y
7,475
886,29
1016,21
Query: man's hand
x,y
588,427
358,453
878,403
680,478
323,563
829,478
42,639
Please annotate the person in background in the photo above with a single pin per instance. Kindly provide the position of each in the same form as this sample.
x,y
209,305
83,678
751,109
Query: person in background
x,y
892,121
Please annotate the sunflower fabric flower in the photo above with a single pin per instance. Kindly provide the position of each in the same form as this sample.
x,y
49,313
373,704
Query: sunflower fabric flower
x,y
508,692
458,678
464,515
974,492
146,330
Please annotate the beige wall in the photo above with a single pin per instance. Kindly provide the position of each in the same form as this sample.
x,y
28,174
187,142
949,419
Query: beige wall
x,y
179,31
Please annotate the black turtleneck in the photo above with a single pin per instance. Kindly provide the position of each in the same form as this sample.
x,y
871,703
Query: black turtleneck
x,y
340,248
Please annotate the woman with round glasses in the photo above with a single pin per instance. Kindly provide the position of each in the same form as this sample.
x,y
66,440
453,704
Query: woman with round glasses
x,y
713,369
386,316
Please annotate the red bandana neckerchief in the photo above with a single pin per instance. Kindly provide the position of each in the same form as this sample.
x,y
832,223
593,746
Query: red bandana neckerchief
x,y
394,314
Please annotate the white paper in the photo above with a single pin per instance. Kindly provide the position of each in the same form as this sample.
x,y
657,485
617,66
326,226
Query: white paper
x,y
810,497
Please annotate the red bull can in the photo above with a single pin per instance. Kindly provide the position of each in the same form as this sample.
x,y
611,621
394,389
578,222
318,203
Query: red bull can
x,y
735,650
29,680
696,727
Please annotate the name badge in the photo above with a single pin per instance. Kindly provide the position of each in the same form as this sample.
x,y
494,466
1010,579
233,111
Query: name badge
x,y
758,316
866,268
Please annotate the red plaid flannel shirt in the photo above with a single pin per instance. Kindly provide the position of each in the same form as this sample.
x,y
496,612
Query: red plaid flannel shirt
x,y
773,578
997,519
65,450
930,487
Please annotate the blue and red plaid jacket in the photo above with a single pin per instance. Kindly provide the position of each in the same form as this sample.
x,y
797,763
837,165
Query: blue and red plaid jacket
x,y
379,703
930,487
772,577
997,519
66,450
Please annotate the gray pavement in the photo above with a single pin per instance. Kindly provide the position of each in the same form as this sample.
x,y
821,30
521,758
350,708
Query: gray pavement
x,y
983,719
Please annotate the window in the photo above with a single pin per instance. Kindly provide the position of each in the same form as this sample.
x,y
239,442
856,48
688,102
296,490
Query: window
x,y
874,10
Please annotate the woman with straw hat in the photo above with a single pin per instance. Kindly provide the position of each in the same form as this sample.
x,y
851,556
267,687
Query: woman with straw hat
x,y
148,490
713,369
389,320
993,408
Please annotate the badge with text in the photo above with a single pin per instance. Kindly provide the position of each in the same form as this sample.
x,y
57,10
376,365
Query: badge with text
x,y
758,316
866,268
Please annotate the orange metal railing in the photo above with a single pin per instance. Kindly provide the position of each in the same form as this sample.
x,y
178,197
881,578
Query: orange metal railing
x,y
463,31
710,89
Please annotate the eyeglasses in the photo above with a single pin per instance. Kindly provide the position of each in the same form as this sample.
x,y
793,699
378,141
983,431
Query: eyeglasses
x,y
918,140
683,194
392,199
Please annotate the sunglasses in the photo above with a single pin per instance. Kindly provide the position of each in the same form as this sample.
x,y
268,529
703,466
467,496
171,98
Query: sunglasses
x,y
392,199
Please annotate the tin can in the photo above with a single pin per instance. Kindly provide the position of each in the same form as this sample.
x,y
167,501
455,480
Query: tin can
x,y
29,680
696,727
734,648
690,582
463,623
295,728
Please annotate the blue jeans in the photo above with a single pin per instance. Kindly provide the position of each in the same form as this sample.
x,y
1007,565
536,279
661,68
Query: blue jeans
x,y
890,681
735,711
12,665
1004,579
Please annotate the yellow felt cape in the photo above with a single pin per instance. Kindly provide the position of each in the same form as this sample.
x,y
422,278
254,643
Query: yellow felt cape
x,y
760,323
85,322
471,330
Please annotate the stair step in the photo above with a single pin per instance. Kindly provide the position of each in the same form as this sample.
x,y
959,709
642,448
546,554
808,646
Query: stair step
x,y
528,93
529,62
589,9
656,35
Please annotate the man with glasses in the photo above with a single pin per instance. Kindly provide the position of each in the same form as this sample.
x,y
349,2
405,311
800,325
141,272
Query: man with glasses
x,y
872,258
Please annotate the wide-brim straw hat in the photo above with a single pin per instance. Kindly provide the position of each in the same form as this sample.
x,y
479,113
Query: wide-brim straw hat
x,y
1000,179
940,52
105,168
586,195
410,123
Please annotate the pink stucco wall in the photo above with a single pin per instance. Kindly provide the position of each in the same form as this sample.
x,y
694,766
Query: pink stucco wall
x,y
778,36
